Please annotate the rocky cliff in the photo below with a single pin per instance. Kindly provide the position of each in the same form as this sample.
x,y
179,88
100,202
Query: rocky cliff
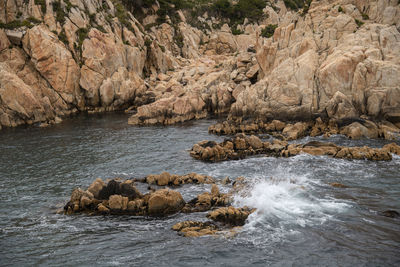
x,y
335,59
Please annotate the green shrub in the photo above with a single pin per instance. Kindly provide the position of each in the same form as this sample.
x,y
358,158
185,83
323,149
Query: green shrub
x,y
364,16
63,37
296,4
359,22
15,24
82,35
60,14
269,30
42,4
101,28
92,19
340,9
236,31
147,42
69,5
33,20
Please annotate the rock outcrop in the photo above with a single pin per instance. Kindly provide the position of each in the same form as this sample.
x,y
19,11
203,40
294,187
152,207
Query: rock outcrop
x,y
242,146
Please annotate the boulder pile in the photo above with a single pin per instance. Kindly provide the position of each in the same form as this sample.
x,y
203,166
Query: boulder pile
x,y
117,197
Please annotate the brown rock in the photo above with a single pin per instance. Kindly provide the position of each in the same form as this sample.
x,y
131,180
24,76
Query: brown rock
x,y
255,142
102,209
96,186
230,215
214,190
118,202
195,229
338,185
165,202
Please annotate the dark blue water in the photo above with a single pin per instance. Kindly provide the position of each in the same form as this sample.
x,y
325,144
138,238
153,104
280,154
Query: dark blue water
x,y
300,220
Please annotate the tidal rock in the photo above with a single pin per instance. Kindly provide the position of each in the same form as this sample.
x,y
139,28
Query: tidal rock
x,y
164,202
117,188
230,215
390,214
239,147
338,185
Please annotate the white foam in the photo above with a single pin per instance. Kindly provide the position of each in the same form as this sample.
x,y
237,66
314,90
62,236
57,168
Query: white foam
x,y
286,201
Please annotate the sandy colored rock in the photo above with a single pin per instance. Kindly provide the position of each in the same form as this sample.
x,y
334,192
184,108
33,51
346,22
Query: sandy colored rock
x,y
164,202
230,215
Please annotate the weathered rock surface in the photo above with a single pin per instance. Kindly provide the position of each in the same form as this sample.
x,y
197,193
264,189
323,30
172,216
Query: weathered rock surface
x,y
324,63
242,146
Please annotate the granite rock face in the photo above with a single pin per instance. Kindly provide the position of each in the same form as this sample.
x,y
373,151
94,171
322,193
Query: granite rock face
x,y
338,61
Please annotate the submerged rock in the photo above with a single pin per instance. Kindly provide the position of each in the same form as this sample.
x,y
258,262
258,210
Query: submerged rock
x,y
196,229
390,213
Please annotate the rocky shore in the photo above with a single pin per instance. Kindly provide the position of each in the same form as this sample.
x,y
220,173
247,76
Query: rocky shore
x,y
121,197
242,146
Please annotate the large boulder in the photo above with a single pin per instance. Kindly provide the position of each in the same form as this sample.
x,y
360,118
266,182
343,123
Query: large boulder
x,y
164,202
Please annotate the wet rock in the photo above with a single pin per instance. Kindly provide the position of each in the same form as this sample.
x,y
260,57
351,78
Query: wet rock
x,y
338,185
392,148
296,131
176,180
195,229
117,188
390,214
96,187
230,215
118,202
239,147
119,198
164,202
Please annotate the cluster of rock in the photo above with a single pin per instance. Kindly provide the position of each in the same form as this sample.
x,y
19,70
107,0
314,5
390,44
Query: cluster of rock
x,y
119,197
166,178
242,145
228,216
355,129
